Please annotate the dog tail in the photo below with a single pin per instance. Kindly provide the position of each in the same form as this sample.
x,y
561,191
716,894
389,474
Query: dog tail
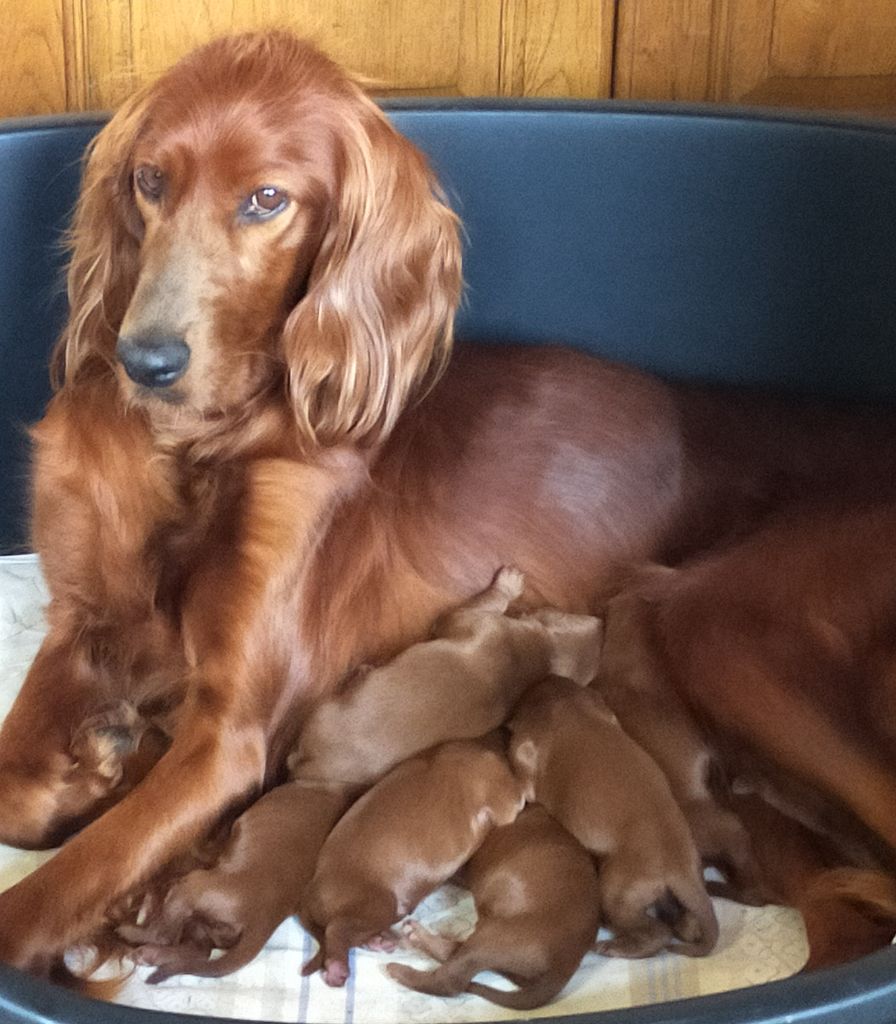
x,y
689,912
536,993
455,976
872,891
184,960
104,989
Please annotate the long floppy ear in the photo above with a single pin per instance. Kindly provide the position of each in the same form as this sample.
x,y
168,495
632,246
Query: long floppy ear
x,y
104,241
378,314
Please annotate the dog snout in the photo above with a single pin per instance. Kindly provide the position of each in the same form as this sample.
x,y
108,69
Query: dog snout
x,y
154,360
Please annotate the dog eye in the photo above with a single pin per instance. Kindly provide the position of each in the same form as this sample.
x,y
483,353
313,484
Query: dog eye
x,y
264,202
151,181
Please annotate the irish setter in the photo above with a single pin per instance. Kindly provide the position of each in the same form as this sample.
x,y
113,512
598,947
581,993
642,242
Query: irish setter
x,y
261,468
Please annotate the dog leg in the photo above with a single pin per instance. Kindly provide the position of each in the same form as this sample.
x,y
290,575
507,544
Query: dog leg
x,y
218,756
439,947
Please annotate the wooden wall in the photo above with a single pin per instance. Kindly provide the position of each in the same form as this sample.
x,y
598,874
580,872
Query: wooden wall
x,y
88,54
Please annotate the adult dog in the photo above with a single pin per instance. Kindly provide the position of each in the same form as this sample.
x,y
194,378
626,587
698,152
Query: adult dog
x,y
253,477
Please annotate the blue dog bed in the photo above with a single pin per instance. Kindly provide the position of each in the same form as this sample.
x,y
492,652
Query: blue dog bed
x,y
732,247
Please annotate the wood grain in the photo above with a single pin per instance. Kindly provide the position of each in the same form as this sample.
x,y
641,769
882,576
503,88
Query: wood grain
x,y
835,54
33,58
821,54
557,48
663,50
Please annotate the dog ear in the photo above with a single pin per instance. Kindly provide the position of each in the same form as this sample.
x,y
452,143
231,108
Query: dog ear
x,y
377,317
104,243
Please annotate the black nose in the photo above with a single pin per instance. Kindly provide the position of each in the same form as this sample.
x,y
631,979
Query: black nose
x,y
153,360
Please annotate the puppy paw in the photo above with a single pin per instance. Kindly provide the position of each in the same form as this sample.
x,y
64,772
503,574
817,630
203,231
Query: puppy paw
x,y
385,942
335,973
630,947
415,936
510,581
402,973
164,959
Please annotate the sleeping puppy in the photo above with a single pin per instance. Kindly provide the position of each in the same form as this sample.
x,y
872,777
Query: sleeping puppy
x,y
258,882
633,682
458,685
573,758
401,840
537,901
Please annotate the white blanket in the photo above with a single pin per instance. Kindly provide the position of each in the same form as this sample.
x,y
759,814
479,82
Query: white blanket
x,y
756,945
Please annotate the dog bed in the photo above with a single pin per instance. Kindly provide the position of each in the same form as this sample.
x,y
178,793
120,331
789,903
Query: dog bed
x,y
756,945
745,248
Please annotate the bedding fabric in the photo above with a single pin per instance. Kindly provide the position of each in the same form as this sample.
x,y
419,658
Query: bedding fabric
x,y
756,944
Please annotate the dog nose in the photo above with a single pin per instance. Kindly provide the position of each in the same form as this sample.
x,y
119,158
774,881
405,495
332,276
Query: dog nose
x,y
153,360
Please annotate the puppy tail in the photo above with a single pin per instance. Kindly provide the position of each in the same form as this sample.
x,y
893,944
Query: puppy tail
x,y
174,960
537,993
454,977
105,989
872,891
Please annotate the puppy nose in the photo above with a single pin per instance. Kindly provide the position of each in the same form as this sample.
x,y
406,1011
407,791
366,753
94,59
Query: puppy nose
x,y
153,360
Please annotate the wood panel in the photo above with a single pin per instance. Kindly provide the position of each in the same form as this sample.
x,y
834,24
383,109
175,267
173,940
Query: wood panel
x,y
557,47
663,50
831,54
425,46
89,54
33,58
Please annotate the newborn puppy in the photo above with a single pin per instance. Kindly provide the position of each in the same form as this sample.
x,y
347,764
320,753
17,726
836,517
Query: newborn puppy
x,y
400,841
537,899
633,681
258,882
459,685
576,761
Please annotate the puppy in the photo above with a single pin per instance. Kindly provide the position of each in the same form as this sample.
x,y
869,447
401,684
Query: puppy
x,y
633,682
537,898
400,841
259,881
459,685
574,759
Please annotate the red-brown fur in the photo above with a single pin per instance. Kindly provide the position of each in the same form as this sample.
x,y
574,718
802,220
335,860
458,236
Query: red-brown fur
x,y
782,645
459,684
633,681
401,840
221,559
537,906
572,756
798,867
258,881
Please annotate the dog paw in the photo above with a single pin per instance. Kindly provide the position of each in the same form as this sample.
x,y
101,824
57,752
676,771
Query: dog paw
x,y
335,973
401,973
510,581
385,942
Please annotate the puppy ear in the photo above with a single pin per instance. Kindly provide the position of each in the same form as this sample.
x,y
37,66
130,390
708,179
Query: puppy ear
x,y
377,316
104,242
